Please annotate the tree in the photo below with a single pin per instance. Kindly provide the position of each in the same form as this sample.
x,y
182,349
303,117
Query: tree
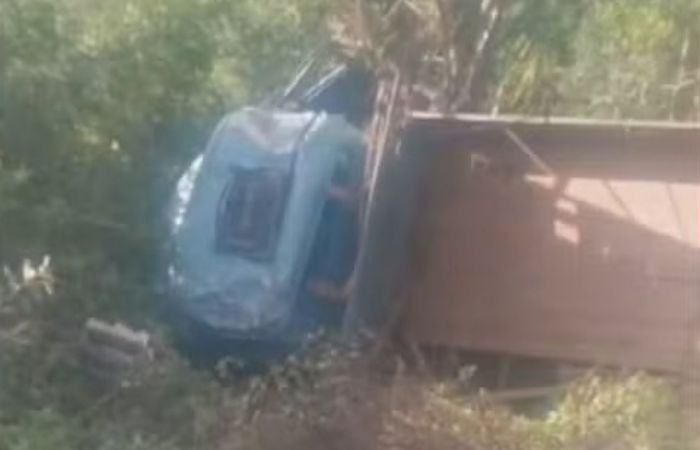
x,y
101,108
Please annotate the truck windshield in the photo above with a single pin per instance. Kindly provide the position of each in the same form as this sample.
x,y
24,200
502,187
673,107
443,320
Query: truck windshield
x,y
250,211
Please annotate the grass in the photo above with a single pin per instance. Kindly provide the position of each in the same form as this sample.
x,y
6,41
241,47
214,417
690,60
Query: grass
x,y
327,396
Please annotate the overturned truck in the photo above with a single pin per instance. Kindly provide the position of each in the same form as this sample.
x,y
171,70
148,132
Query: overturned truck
x,y
556,238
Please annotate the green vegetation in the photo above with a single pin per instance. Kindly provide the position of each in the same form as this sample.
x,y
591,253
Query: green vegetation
x,y
324,393
103,104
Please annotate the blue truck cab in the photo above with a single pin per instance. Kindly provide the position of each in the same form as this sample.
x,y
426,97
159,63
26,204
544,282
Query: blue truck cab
x,y
264,225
